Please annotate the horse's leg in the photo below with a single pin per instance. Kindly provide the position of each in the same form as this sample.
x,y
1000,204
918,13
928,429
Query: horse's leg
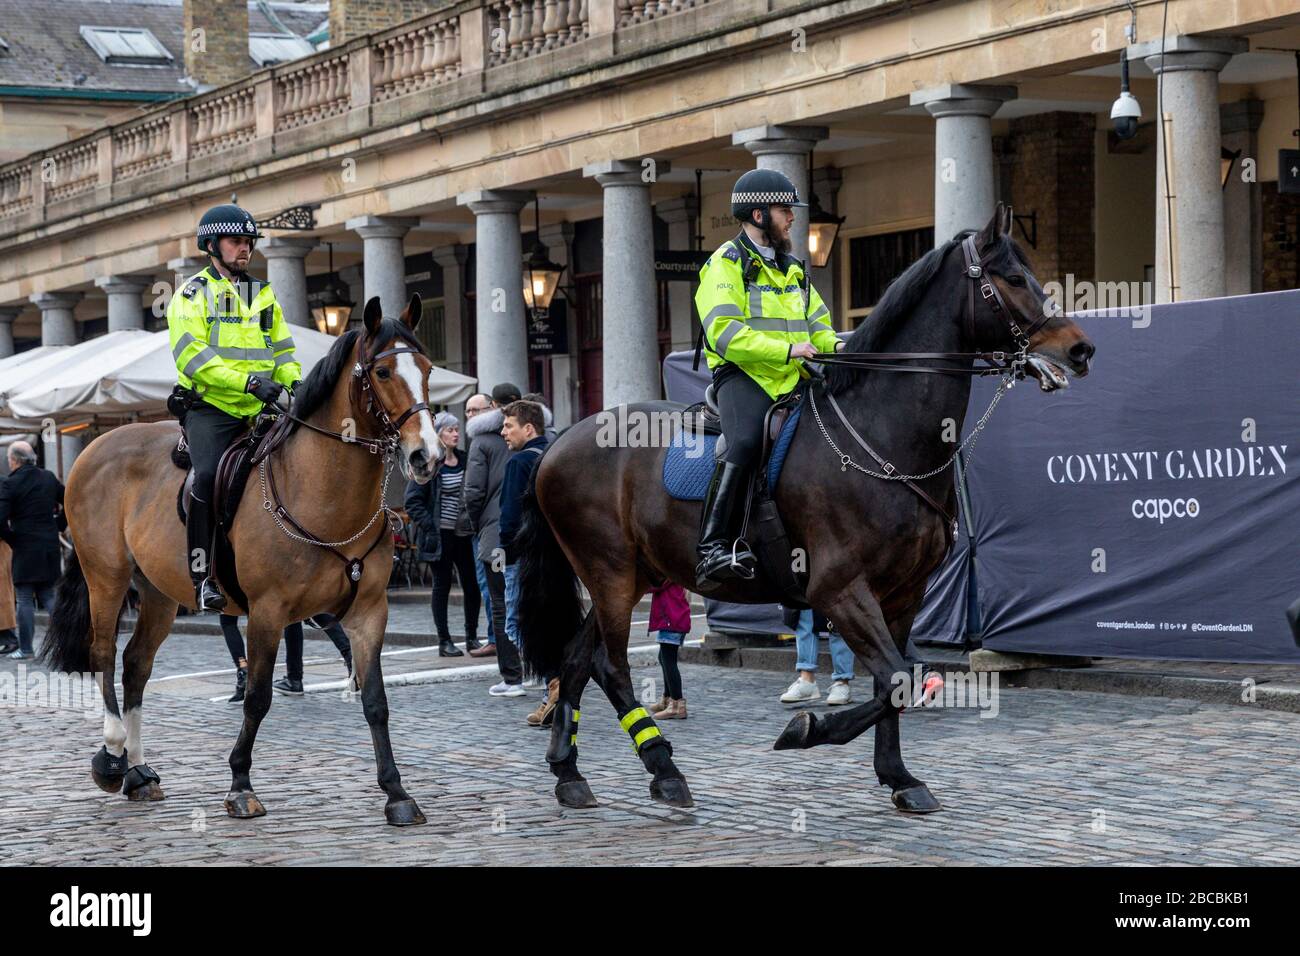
x,y
571,787
366,632
106,590
908,793
157,611
861,623
610,670
264,629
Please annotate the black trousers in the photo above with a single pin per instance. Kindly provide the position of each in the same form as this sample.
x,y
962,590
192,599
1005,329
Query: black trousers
x,y
512,671
292,643
458,553
742,405
209,432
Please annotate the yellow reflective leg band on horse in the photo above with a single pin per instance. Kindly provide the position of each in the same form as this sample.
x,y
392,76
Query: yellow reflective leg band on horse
x,y
640,726
573,736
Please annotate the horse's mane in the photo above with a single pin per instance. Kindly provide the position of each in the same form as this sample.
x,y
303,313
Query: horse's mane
x,y
901,299
321,381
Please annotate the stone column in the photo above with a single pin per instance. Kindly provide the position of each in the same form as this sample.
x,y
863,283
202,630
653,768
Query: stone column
x,y
286,270
1187,169
124,308
454,314
58,327
501,333
8,314
1243,232
786,149
384,261
965,177
826,187
353,277
680,214
558,239
630,347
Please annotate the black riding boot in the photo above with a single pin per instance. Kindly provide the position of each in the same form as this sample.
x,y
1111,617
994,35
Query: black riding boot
x,y
722,557
198,537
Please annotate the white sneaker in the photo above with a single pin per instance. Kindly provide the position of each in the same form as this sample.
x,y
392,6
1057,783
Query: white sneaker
x,y
839,693
533,683
801,690
506,690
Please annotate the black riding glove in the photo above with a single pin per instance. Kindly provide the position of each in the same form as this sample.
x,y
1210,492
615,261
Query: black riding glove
x,y
266,390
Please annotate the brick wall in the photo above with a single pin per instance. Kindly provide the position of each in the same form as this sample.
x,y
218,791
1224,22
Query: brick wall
x,y
1279,213
1051,170
222,54
353,18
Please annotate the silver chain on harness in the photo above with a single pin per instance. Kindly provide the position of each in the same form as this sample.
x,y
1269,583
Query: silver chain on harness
x,y
891,473
394,520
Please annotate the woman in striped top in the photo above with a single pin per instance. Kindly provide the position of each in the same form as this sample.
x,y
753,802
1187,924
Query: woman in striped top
x,y
436,508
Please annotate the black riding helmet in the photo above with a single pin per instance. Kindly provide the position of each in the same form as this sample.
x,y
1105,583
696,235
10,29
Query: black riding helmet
x,y
224,220
760,189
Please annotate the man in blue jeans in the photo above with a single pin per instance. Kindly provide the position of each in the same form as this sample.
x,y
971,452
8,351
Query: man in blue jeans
x,y
31,516
804,687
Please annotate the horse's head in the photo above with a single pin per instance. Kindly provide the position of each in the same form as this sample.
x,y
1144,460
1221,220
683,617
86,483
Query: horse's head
x,y
1057,347
398,374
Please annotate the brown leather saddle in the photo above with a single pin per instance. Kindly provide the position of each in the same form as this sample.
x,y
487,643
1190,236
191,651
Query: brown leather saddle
x,y
236,464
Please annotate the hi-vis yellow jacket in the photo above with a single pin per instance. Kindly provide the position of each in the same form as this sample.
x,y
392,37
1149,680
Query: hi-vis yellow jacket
x,y
222,332
754,311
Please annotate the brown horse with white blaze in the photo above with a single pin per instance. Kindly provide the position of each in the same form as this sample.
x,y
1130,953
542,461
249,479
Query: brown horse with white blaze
x,y
362,405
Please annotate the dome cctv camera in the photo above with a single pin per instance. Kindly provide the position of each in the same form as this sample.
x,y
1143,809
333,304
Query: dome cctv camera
x,y
1125,114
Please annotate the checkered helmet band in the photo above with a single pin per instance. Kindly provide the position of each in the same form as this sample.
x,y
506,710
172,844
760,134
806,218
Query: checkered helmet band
x,y
780,198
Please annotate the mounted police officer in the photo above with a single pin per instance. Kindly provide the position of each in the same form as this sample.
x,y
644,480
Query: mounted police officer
x,y
761,318
233,354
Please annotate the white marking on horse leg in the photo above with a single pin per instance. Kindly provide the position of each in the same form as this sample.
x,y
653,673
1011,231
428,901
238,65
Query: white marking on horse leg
x,y
410,374
114,734
134,748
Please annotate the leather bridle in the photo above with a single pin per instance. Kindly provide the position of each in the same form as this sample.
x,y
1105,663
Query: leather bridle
x,y
362,394
1010,367
996,363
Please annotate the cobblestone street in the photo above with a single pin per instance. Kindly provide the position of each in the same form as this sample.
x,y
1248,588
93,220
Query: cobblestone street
x,y
1056,777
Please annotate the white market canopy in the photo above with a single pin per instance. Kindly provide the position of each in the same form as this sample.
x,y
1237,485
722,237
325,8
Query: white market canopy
x,y
132,372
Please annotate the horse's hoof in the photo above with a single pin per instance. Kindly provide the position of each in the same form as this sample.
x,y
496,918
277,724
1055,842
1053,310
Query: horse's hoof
x,y
107,771
244,805
141,784
403,813
917,799
575,794
672,791
798,734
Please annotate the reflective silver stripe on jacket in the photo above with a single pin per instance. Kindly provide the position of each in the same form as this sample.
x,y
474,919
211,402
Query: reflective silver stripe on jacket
x,y
181,344
727,308
284,358
792,326
205,356
729,333
247,355
283,344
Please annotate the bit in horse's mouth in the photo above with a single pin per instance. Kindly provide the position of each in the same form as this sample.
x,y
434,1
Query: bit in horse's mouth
x,y
1050,375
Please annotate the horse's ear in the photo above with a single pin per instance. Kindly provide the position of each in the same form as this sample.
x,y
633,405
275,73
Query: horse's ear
x,y
374,315
992,229
411,314
1008,218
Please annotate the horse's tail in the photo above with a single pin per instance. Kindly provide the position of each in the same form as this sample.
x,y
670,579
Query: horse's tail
x,y
67,640
549,608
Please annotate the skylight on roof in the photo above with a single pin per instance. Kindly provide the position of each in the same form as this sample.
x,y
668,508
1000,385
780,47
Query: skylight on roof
x,y
126,45
268,49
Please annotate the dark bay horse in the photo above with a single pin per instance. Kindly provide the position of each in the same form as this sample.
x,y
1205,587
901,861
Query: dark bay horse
x,y
869,544
363,404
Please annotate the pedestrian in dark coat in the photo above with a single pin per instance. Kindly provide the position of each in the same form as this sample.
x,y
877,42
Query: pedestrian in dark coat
x,y
31,517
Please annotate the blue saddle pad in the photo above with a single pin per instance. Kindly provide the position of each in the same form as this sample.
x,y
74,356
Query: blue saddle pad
x,y
688,467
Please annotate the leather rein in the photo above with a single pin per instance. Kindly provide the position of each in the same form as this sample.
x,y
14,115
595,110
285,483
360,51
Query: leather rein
x,y
1010,366
361,388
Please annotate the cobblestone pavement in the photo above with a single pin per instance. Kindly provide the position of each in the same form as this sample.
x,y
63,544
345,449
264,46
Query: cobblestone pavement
x,y
1056,777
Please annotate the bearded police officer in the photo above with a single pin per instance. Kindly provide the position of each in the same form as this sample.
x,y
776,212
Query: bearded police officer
x,y
761,318
233,354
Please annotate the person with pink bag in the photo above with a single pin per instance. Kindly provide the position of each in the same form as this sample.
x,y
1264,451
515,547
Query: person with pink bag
x,y
670,615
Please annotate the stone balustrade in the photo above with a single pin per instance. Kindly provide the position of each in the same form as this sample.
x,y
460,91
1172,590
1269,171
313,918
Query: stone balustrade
x,y
518,29
141,148
631,12
310,94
